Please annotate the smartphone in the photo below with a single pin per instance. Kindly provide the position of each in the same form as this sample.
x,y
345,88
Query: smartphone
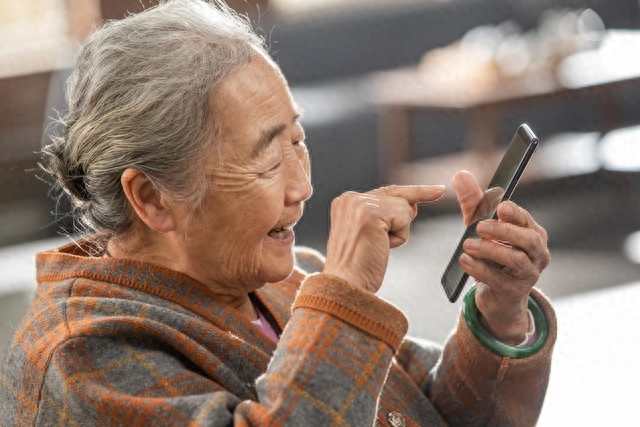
x,y
500,188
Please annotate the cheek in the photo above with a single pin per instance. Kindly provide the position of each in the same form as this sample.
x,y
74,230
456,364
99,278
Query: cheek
x,y
259,208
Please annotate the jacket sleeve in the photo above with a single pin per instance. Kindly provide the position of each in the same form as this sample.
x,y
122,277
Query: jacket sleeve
x,y
333,358
470,385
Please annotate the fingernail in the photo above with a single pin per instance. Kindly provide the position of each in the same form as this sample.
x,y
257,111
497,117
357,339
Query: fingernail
x,y
466,259
484,227
507,209
472,243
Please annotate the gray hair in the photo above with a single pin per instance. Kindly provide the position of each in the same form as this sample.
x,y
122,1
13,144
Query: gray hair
x,y
139,98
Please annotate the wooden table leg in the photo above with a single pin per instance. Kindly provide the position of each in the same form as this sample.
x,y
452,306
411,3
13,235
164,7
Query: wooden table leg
x,y
394,142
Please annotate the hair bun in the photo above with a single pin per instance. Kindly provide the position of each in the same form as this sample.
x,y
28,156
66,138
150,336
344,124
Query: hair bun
x,y
68,177
76,185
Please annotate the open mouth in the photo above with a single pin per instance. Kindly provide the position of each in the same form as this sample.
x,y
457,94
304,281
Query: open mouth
x,y
280,233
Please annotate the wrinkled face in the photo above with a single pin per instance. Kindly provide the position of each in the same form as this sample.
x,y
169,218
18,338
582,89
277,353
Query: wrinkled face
x,y
259,174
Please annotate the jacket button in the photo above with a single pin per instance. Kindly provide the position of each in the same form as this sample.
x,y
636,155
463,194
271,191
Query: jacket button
x,y
396,419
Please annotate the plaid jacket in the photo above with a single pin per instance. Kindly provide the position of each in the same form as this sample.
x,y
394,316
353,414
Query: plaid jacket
x,y
113,342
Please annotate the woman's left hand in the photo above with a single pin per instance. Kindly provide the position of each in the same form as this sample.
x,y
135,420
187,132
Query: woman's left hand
x,y
506,262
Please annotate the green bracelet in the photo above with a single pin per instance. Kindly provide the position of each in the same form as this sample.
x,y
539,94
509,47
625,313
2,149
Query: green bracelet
x,y
471,318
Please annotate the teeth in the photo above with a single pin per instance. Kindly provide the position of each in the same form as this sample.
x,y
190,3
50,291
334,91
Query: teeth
x,y
280,231
278,234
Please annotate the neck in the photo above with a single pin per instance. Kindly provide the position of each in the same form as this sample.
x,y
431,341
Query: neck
x,y
141,248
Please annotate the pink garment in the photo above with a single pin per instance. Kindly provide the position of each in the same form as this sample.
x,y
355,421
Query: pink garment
x,y
263,324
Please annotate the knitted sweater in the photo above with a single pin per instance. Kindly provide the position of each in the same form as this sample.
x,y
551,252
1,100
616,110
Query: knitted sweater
x,y
115,342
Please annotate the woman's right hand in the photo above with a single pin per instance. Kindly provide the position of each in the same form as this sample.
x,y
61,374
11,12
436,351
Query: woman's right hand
x,y
365,226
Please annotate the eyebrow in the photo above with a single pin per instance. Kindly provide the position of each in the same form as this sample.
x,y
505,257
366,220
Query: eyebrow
x,y
267,137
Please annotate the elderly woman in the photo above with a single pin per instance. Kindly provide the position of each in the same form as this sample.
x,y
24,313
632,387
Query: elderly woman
x,y
183,304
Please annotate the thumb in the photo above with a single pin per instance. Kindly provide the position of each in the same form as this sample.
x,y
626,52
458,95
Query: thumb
x,y
468,193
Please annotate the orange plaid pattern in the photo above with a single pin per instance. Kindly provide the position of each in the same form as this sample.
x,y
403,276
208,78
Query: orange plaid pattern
x,y
114,342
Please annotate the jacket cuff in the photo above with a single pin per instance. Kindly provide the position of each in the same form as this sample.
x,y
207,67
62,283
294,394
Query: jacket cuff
x,y
360,308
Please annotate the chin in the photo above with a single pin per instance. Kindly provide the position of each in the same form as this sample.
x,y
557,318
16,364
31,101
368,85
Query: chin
x,y
280,268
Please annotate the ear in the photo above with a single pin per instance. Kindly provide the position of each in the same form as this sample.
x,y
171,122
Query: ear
x,y
149,204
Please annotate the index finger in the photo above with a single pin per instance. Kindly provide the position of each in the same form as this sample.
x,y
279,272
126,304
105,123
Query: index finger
x,y
412,193
510,212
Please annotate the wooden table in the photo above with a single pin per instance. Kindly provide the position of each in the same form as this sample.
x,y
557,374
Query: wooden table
x,y
402,94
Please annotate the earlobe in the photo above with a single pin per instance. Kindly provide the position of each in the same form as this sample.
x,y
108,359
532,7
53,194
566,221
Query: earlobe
x,y
147,202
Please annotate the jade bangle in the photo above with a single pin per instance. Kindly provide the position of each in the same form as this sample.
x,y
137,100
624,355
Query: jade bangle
x,y
515,352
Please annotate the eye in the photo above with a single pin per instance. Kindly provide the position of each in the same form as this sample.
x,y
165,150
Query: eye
x,y
271,172
276,167
298,136
301,145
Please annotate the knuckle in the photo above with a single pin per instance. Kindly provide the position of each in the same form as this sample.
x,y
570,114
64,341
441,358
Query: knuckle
x,y
541,243
546,260
520,261
343,198
341,203
534,238
543,235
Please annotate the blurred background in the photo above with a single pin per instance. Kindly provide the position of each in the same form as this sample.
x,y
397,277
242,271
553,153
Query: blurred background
x,y
408,91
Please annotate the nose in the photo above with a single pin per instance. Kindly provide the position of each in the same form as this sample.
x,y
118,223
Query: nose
x,y
298,175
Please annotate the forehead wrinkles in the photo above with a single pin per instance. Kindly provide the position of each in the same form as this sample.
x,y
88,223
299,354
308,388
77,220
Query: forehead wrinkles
x,y
256,81
251,96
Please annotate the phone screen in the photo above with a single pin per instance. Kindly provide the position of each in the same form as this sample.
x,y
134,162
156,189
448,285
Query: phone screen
x,y
500,188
